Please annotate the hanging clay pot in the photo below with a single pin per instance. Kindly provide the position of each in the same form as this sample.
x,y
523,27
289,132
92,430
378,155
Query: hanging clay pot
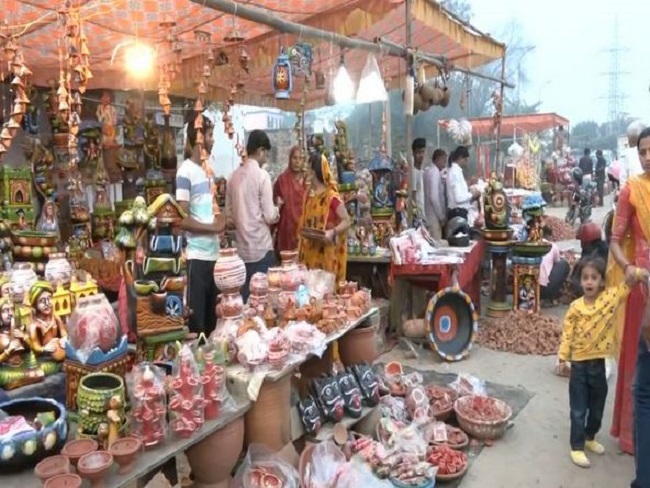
x,y
431,94
446,96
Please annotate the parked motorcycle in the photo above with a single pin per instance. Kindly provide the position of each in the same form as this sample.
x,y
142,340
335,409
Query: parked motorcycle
x,y
582,199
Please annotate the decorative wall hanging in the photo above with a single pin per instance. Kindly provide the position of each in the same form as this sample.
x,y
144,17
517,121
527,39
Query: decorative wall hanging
x,y
282,77
302,57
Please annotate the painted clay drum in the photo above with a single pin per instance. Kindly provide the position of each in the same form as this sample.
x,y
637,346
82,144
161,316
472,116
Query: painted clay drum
x,y
58,269
229,271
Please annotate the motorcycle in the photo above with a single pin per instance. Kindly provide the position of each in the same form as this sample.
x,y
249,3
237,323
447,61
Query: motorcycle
x,y
581,203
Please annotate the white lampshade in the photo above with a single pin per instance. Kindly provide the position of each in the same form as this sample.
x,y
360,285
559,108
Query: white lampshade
x,y
371,86
343,86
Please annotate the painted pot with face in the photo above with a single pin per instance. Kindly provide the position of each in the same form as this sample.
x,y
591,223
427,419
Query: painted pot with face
x,y
367,381
326,390
310,415
351,394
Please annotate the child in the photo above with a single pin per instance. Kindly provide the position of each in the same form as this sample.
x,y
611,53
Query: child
x,y
587,340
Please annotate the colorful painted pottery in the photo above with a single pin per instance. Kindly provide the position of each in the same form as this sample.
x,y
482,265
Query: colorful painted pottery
x,y
58,269
231,305
275,278
145,287
93,395
25,449
23,277
229,271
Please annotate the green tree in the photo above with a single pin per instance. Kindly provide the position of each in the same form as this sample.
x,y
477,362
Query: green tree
x,y
584,133
460,8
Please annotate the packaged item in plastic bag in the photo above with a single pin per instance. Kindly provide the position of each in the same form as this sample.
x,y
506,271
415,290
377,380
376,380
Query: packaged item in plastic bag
x,y
323,467
149,404
357,474
262,468
92,327
466,384
417,403
186,403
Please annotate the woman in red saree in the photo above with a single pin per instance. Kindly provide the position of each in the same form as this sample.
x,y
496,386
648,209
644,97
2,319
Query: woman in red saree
x,y
290,187
630,251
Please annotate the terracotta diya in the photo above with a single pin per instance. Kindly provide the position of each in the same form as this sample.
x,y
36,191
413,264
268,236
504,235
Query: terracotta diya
x,y
52,466
73,450
64,481
95,466
125,451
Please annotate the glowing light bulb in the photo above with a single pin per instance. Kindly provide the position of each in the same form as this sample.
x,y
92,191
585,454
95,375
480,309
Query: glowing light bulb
x,y
343,86
139,60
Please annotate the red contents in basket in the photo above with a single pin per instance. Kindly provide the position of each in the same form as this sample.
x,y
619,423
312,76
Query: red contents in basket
x,y
447,460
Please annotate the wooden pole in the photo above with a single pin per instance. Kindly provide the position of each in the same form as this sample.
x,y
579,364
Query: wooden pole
x,y
408,38
499,154
379,46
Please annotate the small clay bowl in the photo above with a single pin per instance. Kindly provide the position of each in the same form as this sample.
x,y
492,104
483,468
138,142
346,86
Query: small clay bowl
x,y
51,466
64,481
73,450
125,451
95,466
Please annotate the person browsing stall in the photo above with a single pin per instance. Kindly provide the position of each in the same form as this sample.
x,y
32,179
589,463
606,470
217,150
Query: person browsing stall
x,y
250,209
290,188
459,196
435,204
201,228
419,148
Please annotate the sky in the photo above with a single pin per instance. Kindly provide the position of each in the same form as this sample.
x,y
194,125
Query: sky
x,y
567,69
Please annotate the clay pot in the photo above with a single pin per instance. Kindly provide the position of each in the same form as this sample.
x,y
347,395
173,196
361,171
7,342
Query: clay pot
x,y
52,466
125,451
275,278
231,305
211,470
95,467
259,285
446,96
58,269
269,420
289,258
64,481
229,270
75,449
358,346
23,277
157,302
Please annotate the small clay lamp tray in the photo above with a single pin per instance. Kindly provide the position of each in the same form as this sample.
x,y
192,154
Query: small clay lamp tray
x,y
125,451
64,481
51,466
261,478
77,448
95,466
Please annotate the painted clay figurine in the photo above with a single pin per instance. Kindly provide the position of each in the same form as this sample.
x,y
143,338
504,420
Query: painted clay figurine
x,y
351,394
527,295
48,221
47,331
107,117
326,391
10,336
368,383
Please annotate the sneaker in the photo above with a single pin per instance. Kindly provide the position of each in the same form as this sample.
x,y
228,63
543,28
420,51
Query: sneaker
x,y
579,458
595,447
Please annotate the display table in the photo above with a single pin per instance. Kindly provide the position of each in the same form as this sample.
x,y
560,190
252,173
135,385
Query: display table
x,y
200,447
434,277
371,272
269,419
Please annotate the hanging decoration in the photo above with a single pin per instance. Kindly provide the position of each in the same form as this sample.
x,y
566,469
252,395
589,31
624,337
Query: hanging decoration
x,y
282,77
409,94
497,104
302,57
371,86
460,131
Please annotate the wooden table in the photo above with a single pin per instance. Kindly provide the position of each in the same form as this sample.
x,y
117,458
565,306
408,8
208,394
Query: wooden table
x,y
151,459
371,272
433,277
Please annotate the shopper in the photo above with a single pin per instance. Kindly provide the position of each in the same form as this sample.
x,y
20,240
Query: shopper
x,y
630,251
586,164
201,227
325,211
435,201
601,168
419,148
630,163
459,196
250,209
587,341
290,188
553,271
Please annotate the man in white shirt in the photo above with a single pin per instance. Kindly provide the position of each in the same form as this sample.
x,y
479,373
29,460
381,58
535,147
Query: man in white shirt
x,y
250,208
435,207
419,148
459,196
630,163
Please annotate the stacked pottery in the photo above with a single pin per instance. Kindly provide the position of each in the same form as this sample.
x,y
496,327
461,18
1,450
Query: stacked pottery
x,y
23,277
231,305
58,270
149,405
229,271
290,276
259,292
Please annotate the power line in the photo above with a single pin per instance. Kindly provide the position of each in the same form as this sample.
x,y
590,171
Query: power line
x,y
615,94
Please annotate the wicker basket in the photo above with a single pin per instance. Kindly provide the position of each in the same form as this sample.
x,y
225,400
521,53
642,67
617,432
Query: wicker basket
x,y
483,430
455,476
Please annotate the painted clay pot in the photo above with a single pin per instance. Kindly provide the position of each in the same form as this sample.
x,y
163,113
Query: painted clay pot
x,y
23,277
231,305
275,277
125,451
77,448
259,284
64,481
211,470
95,467
52,466
229,270
93,394
145,287
289,258
58,269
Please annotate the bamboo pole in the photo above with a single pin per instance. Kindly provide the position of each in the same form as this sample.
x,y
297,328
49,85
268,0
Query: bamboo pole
x,y
500,158
408,37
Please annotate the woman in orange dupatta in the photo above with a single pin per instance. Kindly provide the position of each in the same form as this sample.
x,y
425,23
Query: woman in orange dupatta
x,y
630,250
290,187
324,210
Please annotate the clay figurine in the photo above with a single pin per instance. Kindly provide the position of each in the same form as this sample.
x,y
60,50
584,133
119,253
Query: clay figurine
x,y
527,299
48,221
367,380
10,336
107,117
326,390
47,331
310,415
351,394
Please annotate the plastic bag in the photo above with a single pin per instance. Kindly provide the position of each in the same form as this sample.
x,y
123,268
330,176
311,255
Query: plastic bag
x,y
92,327
149,404
326,463
261,467
357,474
186,403
466,384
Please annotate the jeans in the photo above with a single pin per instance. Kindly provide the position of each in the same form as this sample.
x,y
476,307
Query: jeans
x,y
587,395
642,417
201,296
556,278
261,266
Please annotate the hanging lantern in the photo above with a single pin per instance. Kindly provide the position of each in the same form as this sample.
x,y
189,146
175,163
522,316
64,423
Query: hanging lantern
x,y
282,81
